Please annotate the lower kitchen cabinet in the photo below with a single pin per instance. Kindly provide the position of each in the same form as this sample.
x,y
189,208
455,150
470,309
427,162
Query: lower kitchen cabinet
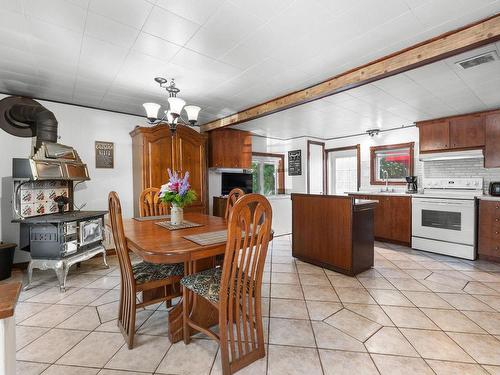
x,y
489,230
392,218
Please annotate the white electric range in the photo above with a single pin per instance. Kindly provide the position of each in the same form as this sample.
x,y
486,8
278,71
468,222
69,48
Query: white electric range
x,y
444,216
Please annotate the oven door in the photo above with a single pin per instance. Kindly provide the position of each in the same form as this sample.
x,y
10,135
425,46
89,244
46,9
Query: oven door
x,y
450,220
90,231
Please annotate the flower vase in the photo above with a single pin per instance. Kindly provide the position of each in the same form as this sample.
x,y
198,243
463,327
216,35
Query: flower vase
x,y
176,214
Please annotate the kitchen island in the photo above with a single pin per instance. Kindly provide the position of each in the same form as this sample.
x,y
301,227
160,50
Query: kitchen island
x,y
334,232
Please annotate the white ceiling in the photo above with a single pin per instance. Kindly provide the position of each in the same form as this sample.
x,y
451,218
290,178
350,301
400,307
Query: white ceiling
x,y
225,55
432,91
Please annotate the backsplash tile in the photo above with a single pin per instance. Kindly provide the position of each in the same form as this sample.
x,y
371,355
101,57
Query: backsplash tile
x,y
463,168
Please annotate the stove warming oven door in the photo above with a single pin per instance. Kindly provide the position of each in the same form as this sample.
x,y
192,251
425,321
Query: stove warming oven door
x,y
444,226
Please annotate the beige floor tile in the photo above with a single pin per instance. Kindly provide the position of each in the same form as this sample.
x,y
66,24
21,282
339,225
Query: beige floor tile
x,y
108,311
328,337
195,358
319,310
35,290
485,349
465,302
70,370
26,335
441,288
86,319
156,324
284,278
49,347
26,309
409,317
435,345
314,279
83,297
353,324
80,280
105,282
355,295
493,301
408,284
280,267
494,286
376,283
51,316
120,372
483,276
309,268
256,368
95,350
389,340
283,259
493,370
371,273
109,296
285,360
393,273
419,274
476,287
452,320
435,265
291,332
345,282
490,321
446,280
320,293
30,368
52,295
427,299
146,355
372,312
455,368
389,297
288,308
286,291
390,365
346,363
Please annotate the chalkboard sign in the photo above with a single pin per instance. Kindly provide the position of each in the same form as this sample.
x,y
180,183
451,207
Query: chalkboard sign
x,y
295,163
104,154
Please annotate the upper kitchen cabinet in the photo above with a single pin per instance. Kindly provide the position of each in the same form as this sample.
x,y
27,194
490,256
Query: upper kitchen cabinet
x,y
492,148
467,131
434,135
230,148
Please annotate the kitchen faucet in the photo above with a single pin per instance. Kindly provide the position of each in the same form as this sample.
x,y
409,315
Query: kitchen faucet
x,y
386,177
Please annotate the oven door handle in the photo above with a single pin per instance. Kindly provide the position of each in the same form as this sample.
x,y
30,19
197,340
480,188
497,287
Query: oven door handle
x,y
434,203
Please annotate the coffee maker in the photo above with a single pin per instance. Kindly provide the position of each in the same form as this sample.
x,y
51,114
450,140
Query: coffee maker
x,y
411,184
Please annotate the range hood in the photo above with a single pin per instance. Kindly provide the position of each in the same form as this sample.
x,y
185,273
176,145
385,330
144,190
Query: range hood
x,y
452,155
52,161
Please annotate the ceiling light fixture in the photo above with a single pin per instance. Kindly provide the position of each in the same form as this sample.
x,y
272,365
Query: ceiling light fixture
x,y
373,132
173,115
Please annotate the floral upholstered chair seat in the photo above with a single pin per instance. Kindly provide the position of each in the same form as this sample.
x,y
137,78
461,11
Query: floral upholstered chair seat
x,y
145,272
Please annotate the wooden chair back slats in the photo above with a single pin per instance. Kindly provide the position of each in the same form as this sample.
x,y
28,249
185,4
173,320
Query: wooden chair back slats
x,y
150,203
233,196
240,320
126,317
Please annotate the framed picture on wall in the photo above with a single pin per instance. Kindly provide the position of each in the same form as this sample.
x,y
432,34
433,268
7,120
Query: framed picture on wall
x,y
104,154
295,163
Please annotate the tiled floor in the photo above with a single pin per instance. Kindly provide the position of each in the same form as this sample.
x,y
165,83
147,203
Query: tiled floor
x,y
414,313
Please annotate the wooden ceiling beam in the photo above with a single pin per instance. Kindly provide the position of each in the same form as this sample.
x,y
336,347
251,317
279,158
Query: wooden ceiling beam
x,y
451,43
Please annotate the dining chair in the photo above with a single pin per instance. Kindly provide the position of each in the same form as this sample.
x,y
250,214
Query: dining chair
x,y
140,277
150,204
233,196
235,288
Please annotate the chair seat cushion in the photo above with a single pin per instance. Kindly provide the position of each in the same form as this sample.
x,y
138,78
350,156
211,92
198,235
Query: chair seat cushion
x,y
205,283
145,272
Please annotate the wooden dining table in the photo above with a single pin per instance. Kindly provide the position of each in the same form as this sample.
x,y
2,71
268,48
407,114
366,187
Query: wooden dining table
x,y
156,244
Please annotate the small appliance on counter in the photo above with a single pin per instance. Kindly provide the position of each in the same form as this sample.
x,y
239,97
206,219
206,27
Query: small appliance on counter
x,y
495,189
411,184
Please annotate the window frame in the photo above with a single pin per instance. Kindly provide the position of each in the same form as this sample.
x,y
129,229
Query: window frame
x,y
280,171
373,162
358,161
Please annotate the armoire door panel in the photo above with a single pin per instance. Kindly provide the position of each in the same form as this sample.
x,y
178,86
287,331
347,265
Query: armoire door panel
x,y
159,159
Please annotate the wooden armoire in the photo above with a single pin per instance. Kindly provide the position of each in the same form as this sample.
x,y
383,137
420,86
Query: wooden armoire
x,y
154,150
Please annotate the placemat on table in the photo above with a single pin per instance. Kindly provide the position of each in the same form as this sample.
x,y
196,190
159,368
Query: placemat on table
x,y
208,238
146,218
186,224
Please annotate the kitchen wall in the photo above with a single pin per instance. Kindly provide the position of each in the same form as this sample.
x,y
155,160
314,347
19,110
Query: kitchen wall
x,y
78,127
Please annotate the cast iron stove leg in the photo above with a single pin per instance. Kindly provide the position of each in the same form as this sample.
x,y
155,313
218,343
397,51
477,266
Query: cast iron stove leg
x,y
30,276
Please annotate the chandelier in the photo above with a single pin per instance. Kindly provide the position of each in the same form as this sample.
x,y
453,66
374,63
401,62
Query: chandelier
x,y
173,115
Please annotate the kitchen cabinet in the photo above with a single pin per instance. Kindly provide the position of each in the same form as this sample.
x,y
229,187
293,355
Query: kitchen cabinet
x,y
230,148
155,150
489,230
467,132
492,148
434,135
392,218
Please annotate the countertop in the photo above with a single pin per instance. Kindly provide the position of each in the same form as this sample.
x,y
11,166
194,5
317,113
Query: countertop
x,y
61,218
489,198
9,293
376,192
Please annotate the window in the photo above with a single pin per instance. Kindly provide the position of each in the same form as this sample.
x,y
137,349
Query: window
x,y
267,173
391,162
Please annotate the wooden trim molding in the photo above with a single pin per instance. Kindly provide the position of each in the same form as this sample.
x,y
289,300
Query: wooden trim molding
x,y
309,143
445,45
281,168
358,159
373,149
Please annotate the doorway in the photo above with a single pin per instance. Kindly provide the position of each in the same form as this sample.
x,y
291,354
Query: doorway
x,y
342,169
315,167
